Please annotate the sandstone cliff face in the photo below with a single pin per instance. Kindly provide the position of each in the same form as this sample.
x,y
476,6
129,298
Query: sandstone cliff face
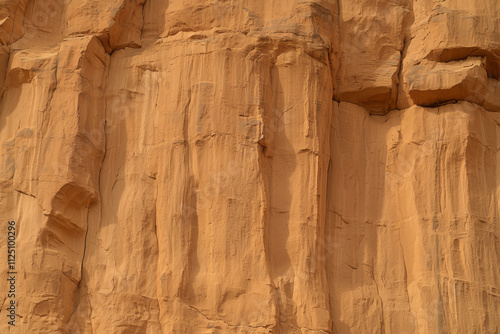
x,y
197,166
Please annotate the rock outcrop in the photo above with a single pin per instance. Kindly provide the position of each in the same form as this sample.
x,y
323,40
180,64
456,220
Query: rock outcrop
x,y
198,166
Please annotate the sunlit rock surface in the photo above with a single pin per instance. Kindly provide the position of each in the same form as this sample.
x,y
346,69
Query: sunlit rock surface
x,y
251,166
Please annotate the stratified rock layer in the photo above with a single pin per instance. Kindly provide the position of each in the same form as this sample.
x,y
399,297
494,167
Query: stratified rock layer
x,y
251,166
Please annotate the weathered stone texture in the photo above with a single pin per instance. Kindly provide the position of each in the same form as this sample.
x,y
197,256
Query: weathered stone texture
x,y
201,166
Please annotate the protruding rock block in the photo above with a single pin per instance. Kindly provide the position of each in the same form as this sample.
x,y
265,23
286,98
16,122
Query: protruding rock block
x,y
431,83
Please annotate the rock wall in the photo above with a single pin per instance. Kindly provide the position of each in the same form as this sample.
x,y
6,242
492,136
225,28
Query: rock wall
x,y
202,166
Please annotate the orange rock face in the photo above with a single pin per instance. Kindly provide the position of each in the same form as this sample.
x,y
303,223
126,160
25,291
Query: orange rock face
x,y
202,166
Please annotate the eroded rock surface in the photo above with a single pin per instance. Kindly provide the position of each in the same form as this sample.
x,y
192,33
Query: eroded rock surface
x,y
251,166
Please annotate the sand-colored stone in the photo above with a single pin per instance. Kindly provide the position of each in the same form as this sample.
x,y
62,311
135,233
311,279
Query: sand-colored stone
x,y
431,83
372,40
251,166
